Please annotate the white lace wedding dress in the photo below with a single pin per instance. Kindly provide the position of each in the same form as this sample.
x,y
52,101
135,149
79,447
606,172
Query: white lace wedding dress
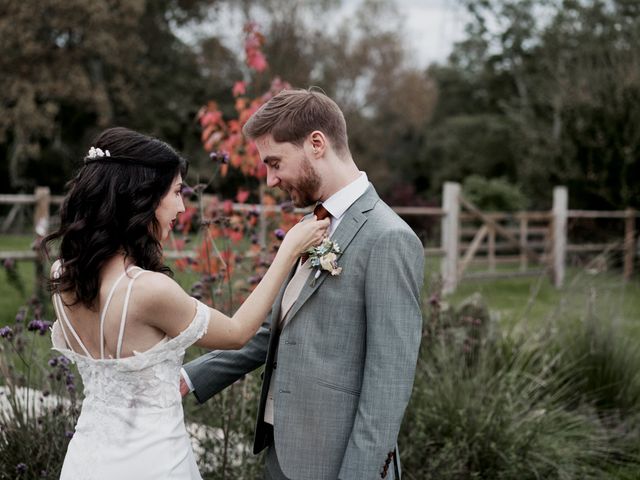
x,y
131,425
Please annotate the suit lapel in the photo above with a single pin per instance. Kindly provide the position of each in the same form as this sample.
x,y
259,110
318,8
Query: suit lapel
x,y
351,223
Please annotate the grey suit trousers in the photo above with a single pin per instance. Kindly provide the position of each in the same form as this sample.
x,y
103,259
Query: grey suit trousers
x,y
272,470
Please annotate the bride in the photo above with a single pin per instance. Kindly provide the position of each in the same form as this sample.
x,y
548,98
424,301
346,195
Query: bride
x,y
125,322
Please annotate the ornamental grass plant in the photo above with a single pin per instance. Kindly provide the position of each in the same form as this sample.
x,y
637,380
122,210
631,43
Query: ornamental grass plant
x,y
38,399
560,404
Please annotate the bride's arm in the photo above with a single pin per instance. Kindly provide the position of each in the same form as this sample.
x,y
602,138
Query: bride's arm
x,y
171,310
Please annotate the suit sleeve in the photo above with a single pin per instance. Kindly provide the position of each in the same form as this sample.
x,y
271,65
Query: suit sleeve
x,y
393,284
216,370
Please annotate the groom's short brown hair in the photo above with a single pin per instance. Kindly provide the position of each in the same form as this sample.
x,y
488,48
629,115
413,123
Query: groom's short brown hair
x,y
293,114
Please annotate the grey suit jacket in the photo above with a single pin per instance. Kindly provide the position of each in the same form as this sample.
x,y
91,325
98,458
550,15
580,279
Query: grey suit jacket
x,y
346,359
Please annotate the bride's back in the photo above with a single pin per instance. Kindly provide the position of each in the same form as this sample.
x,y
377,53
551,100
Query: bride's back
x,y
114,310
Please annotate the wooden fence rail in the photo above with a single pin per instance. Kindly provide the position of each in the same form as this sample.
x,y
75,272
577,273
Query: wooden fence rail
x,y
536,240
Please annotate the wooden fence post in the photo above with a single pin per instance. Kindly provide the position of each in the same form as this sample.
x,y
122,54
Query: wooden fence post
x,y
629,242
524,233
491,253
41,227
559,249
450,236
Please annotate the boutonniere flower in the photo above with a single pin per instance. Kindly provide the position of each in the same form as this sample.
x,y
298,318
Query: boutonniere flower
x,y
325,257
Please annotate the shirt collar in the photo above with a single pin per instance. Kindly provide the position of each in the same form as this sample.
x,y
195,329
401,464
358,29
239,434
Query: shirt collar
x,y
338,203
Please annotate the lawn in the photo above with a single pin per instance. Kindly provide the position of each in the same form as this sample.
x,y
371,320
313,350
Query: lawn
x,y
531,302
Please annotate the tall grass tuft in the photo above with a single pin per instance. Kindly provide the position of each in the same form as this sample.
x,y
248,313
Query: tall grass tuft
x,y
524,407
35,424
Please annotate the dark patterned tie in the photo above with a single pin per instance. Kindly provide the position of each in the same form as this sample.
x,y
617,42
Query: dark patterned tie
x,y
321,213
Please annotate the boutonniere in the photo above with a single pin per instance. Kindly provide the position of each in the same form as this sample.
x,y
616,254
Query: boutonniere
x,y
325,257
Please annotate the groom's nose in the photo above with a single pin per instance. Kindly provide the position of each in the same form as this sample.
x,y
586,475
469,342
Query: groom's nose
x,y
272,180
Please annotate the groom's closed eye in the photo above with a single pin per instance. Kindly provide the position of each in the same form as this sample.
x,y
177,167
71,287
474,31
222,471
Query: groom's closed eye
x,y
272,161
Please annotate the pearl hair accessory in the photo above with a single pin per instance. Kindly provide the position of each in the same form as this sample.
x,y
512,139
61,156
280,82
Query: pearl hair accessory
x,y
97,152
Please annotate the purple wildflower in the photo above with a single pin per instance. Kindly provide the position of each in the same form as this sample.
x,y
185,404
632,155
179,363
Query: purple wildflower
x,y
20,316
279,233
9,263
21,468
40,326
187,191
221,156
210,278
434,301
53,362
68,434
6,332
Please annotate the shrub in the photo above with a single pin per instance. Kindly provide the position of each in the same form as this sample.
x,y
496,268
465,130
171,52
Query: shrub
x,y
495,194
35,425
516,410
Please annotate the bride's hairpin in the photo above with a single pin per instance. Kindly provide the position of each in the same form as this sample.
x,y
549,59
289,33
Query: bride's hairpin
x,y
104,156
97,152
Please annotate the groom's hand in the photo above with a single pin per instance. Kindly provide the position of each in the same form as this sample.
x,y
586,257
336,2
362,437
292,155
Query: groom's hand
x,y
184,388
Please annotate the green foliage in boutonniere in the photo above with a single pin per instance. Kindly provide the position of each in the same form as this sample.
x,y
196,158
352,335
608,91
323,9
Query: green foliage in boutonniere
x,y
325,257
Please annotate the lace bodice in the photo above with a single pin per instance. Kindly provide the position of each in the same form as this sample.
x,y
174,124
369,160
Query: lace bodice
x,y
146,379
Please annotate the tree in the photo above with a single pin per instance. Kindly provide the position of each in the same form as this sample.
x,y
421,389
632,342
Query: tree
x,y
560,81
71,68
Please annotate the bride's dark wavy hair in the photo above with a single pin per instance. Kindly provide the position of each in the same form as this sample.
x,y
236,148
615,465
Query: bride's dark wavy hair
x,y
110,208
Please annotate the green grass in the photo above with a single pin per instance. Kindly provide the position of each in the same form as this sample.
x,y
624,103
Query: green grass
x,y
531,302
10,297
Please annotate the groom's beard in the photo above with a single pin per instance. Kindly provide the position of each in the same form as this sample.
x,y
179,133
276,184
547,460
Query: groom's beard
x,y
305,189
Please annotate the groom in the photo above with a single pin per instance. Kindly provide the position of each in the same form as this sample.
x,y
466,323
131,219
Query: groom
x,y
340,350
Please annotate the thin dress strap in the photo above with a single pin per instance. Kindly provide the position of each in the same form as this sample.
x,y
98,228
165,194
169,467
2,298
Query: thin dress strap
x,y
60,309
124,313
106,305
64,332
62,315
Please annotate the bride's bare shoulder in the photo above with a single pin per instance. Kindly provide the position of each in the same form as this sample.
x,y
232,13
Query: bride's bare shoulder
x,y
155,287
164,303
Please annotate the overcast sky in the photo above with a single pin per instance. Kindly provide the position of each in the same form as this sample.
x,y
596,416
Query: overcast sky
x,y
432,27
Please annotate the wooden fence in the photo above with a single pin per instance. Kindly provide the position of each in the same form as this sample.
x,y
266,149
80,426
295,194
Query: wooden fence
x,y
535,242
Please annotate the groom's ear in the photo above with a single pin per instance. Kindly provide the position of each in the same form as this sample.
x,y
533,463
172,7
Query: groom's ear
x,y
318,143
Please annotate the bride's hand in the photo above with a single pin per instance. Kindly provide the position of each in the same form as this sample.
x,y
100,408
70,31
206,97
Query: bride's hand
x,y
305,235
